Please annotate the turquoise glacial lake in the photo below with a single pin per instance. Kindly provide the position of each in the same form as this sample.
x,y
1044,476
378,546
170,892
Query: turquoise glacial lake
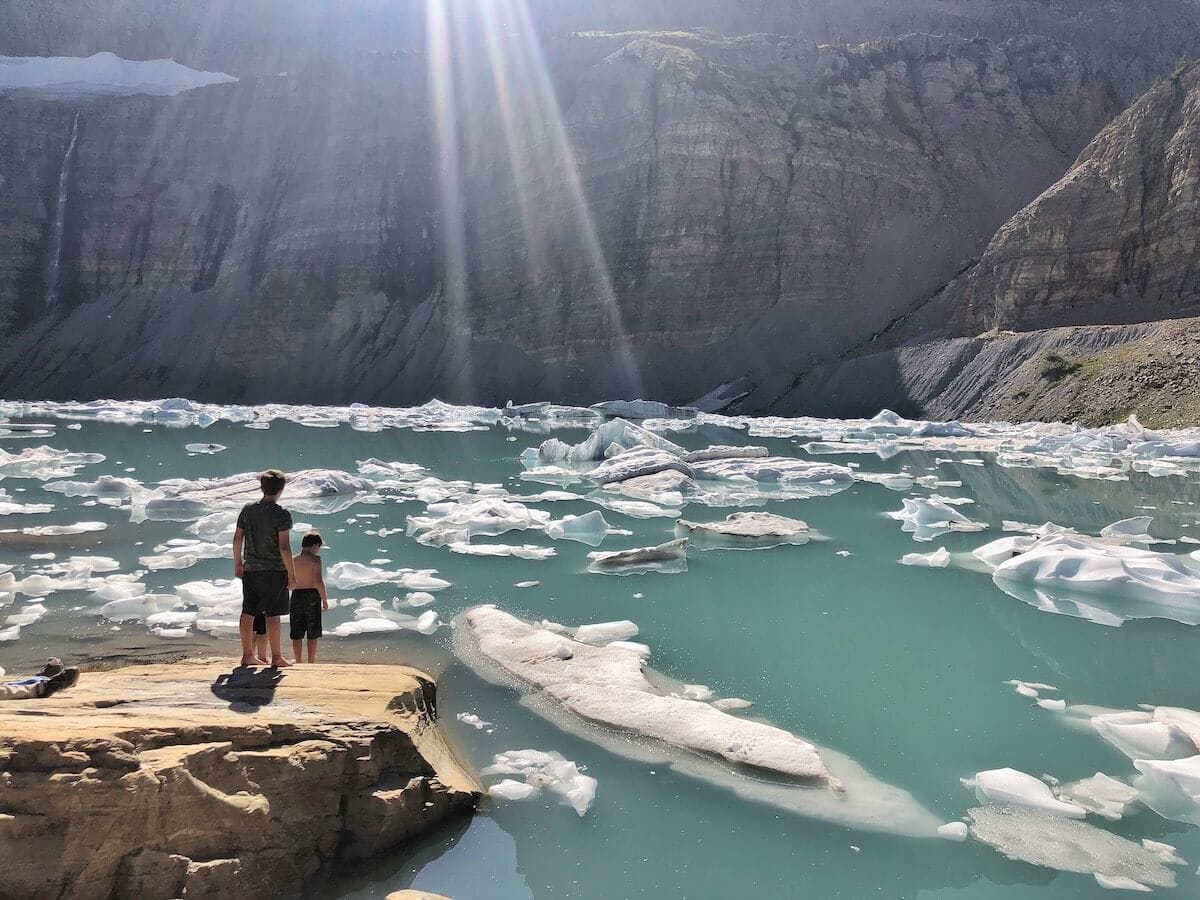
x,y
902,669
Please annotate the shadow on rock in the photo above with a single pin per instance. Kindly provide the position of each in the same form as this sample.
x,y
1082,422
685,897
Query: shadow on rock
x,y
247,690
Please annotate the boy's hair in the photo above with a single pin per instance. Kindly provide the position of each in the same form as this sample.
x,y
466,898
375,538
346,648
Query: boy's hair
x,y
311,539
272,482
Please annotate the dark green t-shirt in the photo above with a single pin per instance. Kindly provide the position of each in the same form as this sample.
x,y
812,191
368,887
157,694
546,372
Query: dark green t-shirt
x,y
261,524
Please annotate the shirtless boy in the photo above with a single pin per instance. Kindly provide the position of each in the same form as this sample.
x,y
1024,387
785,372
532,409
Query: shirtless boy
x,y
309,599
262,559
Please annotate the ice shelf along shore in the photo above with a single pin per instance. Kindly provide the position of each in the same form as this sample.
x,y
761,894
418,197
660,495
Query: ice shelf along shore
x,y
979,632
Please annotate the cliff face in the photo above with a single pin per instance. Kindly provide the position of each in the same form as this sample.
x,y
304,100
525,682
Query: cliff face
x,y
650,212
1116,240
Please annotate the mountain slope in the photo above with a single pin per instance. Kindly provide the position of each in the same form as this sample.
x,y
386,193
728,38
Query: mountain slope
x,y
655,213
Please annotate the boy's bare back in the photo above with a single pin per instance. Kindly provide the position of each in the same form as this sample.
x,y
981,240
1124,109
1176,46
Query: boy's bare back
x,y
308,571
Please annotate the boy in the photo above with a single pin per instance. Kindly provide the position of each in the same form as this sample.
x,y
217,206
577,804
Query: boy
x,y
309,599
264,533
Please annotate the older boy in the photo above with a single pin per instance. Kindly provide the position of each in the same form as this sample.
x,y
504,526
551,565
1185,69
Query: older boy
x,y
262,559
309,599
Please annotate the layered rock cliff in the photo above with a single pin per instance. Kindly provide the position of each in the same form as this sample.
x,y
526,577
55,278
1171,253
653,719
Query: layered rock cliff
x,y
185,780
1116,240
1034,329
646,212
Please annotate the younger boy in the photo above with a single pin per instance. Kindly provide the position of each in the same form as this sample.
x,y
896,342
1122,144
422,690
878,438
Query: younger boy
x,y
262,559
309,599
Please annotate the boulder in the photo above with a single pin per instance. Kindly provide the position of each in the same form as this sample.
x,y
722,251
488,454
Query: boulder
x,y
189,779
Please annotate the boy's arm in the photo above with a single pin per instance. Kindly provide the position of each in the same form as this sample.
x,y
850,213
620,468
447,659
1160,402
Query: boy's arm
x,y
238,537
321,587
285,550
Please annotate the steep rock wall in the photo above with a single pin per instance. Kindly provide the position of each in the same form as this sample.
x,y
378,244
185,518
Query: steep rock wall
x,y
648,212
1116,240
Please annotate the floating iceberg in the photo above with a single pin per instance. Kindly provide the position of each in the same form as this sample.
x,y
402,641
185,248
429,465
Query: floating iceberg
x,y
573,683
605,632
1068,845
541,770
1102,795
636,463
607,440
458,522
669,558
1013,788
347,576
606,686
1170,787
746,530
643,409
1094,579
926,519
939,559
590,528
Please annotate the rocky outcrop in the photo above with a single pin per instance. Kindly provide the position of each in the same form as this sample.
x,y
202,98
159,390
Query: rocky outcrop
x,y
185,780
650,214
1116,240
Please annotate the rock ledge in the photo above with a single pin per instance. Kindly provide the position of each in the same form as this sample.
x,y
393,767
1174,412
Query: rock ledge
x,y
187,780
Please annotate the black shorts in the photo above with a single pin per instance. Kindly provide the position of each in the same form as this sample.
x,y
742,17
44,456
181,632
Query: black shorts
x,y
306,614
264,594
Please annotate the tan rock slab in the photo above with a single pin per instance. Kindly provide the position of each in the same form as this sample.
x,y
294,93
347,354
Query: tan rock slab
x,y
156,781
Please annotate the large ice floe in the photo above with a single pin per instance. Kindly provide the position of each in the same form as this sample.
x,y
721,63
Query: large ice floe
x,y
604,694
1069,845
1099,579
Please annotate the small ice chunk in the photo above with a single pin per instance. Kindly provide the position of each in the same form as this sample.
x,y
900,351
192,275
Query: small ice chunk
x,y
590,528
670,557
1106,797
606,632
1120,883
512,790
1053,705
926,519
1129,531
730,704
1011,787
544,770
1168,853
697,692
954,831
418,599
939,559
474,721
527,584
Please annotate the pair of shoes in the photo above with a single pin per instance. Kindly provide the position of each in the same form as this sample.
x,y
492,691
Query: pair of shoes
x,y
60,681
53,666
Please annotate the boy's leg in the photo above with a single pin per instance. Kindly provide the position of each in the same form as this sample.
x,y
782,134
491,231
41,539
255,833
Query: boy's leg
x,y
297,648
246,633
277,660
312,650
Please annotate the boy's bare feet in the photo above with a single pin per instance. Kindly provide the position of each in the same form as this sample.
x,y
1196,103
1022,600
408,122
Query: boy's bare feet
x,y
278,662
252,661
